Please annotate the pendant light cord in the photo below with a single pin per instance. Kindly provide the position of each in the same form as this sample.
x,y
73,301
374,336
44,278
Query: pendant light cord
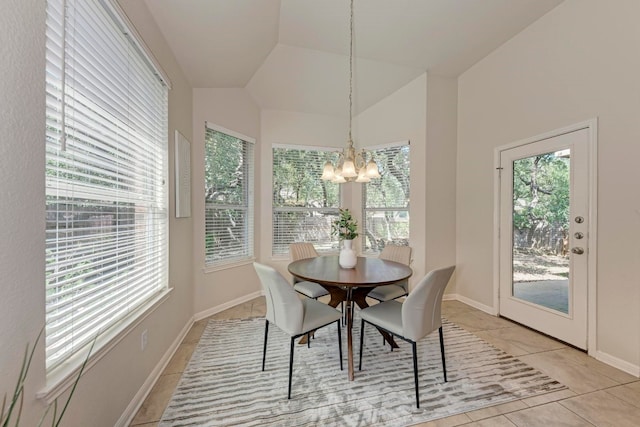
x,y
350,72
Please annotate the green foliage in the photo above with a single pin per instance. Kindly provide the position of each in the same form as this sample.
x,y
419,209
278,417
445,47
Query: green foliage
x,y
541,193
346,227
296,179
227,184
386,215
225,169
15,405
304,205
392,189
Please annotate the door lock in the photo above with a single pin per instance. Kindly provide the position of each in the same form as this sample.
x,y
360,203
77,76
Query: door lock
x,y
577,251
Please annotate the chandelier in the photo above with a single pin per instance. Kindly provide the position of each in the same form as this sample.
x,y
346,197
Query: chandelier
x,y
352,165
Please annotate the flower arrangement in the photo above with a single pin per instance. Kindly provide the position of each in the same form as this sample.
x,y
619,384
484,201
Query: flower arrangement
x,y
345,226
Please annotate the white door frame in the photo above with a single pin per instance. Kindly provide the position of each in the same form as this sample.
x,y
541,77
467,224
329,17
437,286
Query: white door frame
x,y
592,127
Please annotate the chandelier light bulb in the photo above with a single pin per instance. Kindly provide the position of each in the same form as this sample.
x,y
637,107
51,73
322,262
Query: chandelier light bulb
x,y
372,169
349,169
327,172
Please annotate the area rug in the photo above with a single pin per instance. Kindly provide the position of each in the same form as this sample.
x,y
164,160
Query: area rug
x,y
223,384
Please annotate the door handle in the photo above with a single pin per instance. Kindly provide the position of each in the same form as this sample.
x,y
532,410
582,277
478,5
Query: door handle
x,y
577,251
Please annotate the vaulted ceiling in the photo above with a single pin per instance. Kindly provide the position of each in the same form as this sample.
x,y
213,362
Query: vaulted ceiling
x,y
293,54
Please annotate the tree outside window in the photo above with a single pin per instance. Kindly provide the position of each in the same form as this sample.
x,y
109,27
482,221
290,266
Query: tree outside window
x,y
228,197
304,206
386,200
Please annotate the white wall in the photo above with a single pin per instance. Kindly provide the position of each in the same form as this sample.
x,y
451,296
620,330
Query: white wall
x,y
107,388
22,200
402,116
440,165
577,62
233,109
293,128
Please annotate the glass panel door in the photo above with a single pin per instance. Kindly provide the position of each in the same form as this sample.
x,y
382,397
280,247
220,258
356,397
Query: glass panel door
x,y
540,258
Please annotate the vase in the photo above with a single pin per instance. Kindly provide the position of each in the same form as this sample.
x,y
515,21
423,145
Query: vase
x,y
348,258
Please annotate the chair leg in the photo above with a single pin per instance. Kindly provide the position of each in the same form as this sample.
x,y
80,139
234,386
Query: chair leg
x,y
291,366
264,350
340,342
308,339
415,373
361,344
444,365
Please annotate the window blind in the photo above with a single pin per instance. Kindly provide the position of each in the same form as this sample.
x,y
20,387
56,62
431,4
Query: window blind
x,y
304,206
228,197
385,201
106,158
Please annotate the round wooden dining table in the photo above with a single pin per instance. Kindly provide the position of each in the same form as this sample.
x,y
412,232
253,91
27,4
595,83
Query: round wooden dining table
x,y
350,285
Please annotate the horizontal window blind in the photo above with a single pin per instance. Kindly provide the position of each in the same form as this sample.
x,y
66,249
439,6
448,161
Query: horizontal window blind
x,y
106,157
385,201
228,197
304,206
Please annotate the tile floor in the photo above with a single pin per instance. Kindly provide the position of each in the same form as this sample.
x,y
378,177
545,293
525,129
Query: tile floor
x,y
597,394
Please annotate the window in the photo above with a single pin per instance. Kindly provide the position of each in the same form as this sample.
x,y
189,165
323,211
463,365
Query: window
x,y
228,197
106,158
386,200
304,206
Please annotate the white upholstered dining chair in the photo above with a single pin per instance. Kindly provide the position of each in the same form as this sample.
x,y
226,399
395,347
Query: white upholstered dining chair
x,y
401,254
413,319
294,316
304,250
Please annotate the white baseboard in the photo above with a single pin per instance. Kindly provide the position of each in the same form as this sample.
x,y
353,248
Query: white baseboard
x,y
623,365
610,360
217,309
141,395
473,303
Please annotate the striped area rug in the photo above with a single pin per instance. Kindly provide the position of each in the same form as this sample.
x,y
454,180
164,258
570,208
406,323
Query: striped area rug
x,y
224,386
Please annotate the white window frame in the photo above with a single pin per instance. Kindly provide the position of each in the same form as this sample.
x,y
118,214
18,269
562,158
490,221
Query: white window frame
x,y
247,206
381,209
96,160
324,246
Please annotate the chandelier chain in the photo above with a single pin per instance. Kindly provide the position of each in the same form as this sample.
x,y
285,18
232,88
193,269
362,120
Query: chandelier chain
x,y
350,71
351,165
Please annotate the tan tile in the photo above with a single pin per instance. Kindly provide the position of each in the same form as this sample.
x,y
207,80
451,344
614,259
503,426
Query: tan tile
x,y
242,311
478,321
452,421
548,397
258,307
580,357
492,411
154,405
503,344
577,377
518,340
551,414
452,307
195,332
499,421
603,409
630,393
180,358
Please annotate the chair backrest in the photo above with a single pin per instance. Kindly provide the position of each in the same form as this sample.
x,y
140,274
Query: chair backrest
x,y
284,307
421,311
302,250
401,254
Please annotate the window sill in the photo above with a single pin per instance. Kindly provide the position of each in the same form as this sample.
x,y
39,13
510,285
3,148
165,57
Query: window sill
x,y
63,377
233,264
